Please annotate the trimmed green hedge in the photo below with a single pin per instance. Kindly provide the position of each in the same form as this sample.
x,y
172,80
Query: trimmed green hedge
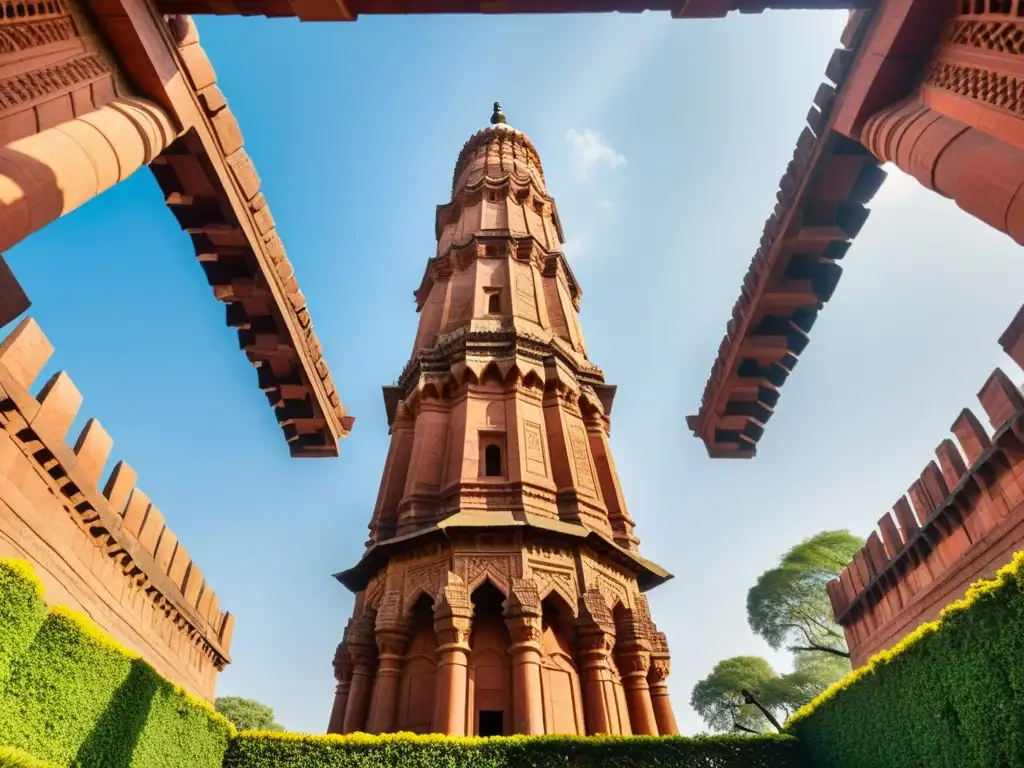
x,y
949,695
76,699
277,750
15,758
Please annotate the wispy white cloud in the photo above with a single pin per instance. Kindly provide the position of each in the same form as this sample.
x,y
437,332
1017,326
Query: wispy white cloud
x,y
591,150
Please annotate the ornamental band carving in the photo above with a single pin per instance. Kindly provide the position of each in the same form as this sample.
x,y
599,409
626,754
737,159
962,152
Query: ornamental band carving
x,y
23,89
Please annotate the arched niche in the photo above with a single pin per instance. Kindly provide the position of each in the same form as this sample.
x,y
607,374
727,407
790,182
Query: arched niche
x,y
560,680
419,671
490,671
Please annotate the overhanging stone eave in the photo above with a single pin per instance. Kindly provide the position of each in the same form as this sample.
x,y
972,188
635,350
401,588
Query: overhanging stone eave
x,y
648,574
309,409
732,435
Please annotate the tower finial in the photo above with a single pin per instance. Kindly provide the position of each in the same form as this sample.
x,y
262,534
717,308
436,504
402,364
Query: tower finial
x,y
497,116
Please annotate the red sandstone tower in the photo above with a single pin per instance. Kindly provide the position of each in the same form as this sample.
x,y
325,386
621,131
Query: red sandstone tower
x,y
501,588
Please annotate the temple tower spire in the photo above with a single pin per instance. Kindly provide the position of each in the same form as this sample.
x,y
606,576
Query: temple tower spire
x,y
501,588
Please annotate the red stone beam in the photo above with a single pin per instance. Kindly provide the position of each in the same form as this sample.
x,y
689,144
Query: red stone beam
x,y
820,208
251,275
961,502
350,10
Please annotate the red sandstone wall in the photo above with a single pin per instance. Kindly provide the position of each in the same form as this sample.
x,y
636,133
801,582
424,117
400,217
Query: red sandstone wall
x,y
106,554
960,521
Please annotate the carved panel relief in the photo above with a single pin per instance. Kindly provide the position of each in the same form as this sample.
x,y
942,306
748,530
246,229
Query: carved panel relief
x,y
526,295
980,46
534,440
501,568
581,457
53,66
424,578
613,586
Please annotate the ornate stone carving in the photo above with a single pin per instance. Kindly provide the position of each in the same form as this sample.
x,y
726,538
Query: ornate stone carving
x,y
23,35
424,579
993,88
581,457
453,613
477,568
342,664
553,579
607,582
54,79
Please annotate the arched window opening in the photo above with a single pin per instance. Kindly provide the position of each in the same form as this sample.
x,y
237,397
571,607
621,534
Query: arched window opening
x,y
494,303
492,461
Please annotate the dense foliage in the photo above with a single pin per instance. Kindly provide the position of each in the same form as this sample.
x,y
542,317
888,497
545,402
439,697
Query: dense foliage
x,y
15,758
73,697
270,750
789,603
950,695
247,714
745,694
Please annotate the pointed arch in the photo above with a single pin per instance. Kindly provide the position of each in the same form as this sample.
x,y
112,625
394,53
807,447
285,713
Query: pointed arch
x,y
487,573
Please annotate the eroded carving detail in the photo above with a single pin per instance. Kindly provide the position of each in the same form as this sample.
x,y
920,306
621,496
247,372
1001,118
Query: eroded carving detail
x,y
27,87
31,34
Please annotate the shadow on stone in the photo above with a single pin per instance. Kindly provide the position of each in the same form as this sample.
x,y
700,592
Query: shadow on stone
x,y
112,742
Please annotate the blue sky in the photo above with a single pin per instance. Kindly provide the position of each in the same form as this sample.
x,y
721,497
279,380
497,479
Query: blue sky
x,y
663,142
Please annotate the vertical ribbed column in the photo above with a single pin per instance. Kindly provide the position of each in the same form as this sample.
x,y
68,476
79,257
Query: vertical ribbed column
x,y
363,651
523,619
982,174
595,640
633,651
53,172
392,636
657,680
453,616
343,676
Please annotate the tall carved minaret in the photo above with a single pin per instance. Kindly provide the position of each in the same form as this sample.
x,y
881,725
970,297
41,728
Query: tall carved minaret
x,y
501,588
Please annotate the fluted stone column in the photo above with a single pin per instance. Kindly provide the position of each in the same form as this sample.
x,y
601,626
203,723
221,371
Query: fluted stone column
x,y
53,172
343,676
362,649
633,649
523,619
453,616
392,635
657,680
595,640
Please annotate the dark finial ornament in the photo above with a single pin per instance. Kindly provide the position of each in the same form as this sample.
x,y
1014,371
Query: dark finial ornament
x,y
497,116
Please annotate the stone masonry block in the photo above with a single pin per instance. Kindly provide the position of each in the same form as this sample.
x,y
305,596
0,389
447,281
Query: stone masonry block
x,y
970,434
59,402
205,600
850,588
227,631
179,566
165,550
212,99
905,517
935,484
197,64
244,171
1012,340
93,449
951,462
25,352
876,552
213,613
119,485
836,596
922,502
193,583
1000,398
891,536
225,127
153,529
135,512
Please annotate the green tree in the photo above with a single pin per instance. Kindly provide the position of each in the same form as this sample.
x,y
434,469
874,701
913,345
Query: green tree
x,y
789,603
745,694
247,714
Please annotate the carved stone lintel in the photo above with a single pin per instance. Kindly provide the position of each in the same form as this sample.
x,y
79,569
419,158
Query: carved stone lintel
x,y
522,610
